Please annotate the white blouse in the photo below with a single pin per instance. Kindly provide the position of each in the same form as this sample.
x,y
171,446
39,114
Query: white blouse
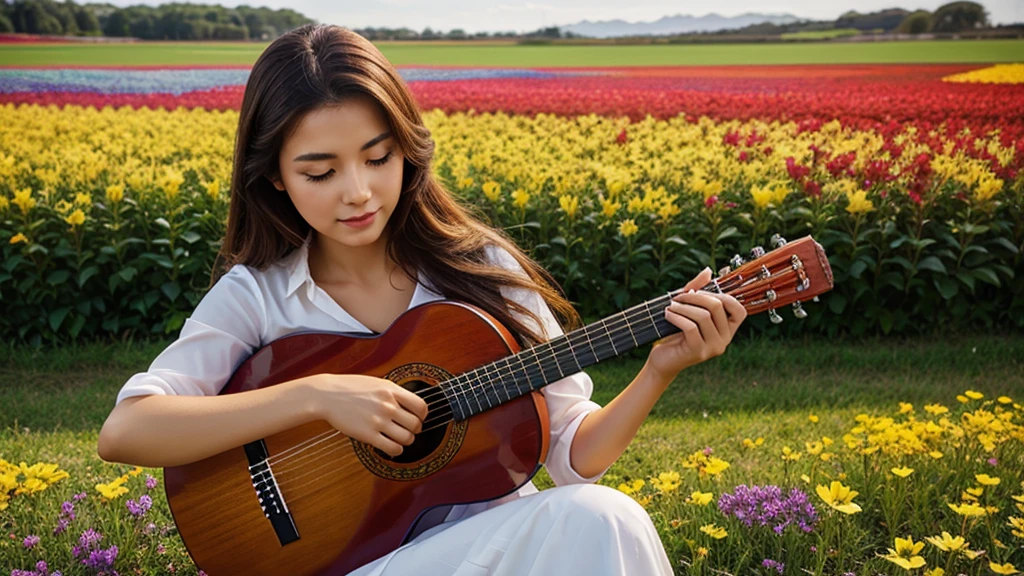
x,y
249,308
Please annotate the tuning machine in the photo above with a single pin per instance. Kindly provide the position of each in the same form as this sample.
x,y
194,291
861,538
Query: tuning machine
x,y
756,252
777,241
736,261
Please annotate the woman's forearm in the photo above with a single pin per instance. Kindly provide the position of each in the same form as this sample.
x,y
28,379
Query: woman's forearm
x,y
604,434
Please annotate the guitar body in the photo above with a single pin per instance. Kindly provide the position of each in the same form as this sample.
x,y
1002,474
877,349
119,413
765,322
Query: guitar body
x,y
311,501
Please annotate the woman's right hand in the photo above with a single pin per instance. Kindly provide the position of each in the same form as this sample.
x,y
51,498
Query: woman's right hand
x,y
369,409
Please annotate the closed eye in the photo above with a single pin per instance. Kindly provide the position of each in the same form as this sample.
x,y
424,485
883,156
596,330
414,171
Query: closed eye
x,y
375,162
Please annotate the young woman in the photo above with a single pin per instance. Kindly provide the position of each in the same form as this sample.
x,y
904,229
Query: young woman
x,y
337,224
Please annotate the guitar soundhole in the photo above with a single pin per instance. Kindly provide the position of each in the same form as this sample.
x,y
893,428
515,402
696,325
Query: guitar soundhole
x,y
430,439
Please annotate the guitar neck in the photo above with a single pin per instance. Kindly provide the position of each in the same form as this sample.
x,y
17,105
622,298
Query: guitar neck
x,y
529,370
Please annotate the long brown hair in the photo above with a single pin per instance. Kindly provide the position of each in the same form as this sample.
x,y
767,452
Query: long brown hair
x,y
430,231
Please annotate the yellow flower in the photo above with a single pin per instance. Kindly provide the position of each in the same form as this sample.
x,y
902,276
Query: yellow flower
x,y
962,399
4,203
627,228
805,478
520,198
700,498
492,190
715,466
996,74
935,454
812,418
569,204
974,395
947,543
115,193
905,554
114,488
212,188
762,196
753,443
986,479
935,409
967,509
937,571
1004,400
666,481
610,207
702,552
1003,568
23,199
902,471
464,183
859,203
76,218
714,531
19,237
1017,524
83,199
839,497
906,407
789,454
631,487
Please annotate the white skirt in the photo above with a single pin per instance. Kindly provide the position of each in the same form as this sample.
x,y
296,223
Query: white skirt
x,y
577,529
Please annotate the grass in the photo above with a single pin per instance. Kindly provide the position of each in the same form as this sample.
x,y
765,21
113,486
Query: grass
x,y
52,404
489,54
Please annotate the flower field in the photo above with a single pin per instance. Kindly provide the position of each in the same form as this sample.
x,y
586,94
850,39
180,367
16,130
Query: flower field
x,y
624,183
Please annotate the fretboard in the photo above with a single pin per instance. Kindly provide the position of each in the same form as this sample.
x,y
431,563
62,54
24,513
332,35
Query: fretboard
x,y
498,382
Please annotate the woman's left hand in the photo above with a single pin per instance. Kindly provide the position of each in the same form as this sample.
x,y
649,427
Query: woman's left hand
x,y
707,322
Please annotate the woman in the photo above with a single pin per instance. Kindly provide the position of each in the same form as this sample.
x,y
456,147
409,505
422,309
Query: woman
x,y
336,224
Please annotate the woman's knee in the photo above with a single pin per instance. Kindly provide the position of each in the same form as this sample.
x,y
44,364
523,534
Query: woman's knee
x,y
594,501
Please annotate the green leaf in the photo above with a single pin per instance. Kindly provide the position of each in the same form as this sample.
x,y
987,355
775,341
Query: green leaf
x,y
86,274
857,268
57,317
676,240
77,325
947,287
932,263
836,303
171,290
986,275
161,221
191,237
727,233
127,273
58,277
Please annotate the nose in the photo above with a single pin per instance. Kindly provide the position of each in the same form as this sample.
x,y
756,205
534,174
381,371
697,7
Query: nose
x,y
354,188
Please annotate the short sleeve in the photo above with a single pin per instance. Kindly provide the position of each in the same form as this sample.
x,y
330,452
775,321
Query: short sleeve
x,y
568,399
225,328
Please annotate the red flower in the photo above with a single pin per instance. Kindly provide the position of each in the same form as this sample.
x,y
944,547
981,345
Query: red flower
x,y
796,171
711,201
622,137
744,156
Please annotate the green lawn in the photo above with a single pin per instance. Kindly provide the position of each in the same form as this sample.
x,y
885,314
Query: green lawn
x,y
403,54
52,404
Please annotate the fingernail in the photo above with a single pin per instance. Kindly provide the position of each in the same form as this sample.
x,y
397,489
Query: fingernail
x,y
707,269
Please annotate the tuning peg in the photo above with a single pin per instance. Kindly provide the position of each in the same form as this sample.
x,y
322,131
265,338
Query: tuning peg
x,y
756,252
736,261
799,311
774,316
777,240
724,270
815,299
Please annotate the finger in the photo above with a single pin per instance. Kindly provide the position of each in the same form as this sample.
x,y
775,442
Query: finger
x,y
387,445
700,281
407,420
397,433
412,402
688,328
737,312
702,318
713,304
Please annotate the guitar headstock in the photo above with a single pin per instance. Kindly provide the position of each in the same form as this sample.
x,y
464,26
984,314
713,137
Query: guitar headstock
x,y
793,272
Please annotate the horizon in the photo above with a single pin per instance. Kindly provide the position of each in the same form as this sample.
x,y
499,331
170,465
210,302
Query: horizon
x,y
446,15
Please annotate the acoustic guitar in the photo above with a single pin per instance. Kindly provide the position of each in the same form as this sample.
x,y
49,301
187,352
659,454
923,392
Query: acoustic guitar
x,y
310,501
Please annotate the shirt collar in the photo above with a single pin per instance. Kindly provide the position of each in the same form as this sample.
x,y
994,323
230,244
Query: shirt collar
x,y
297,265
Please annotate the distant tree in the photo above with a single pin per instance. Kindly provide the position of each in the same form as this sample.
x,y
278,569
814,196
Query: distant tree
x,y
456,34
87,22
917,22
428,34
959,16
6,26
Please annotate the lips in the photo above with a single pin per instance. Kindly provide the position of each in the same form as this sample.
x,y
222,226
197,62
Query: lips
x,y
361,217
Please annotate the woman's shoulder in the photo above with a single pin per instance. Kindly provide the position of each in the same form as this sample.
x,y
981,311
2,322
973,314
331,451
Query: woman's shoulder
x,y
500,256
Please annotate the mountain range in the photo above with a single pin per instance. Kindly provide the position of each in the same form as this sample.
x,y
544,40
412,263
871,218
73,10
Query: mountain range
x,y
680,23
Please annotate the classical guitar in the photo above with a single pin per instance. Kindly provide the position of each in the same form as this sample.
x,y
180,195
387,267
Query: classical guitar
x,y
310,501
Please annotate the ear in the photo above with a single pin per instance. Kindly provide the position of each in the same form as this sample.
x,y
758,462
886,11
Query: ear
x,y
276,181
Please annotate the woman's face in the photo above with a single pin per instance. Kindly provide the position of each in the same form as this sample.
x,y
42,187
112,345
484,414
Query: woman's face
x,y
341,163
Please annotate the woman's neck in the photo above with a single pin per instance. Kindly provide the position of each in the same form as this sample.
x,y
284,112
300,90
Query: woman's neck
x,y
331,262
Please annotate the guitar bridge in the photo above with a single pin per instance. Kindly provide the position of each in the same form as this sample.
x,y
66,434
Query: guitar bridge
x,y
267,493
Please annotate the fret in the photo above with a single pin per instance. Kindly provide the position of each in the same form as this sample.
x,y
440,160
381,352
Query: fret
x,y
472,393
504,385
555,356
530,379
630,328
526,376
610,339
485,386
461,397
536,358
572,353
654,322
591,344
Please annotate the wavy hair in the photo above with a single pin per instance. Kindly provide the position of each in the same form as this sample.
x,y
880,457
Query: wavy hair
x,y
430,230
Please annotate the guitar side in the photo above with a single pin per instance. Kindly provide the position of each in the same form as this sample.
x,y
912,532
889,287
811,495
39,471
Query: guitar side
x,y
331,504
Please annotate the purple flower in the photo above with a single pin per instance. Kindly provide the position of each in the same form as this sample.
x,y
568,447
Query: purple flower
x,y
67,508
89,538
140,508
993,461
101,559
150,481
769,563
149,528
62,525
766,506
30,541
41,567
79,496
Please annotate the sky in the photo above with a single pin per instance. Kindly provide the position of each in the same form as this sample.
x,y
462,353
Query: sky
x,y
508,15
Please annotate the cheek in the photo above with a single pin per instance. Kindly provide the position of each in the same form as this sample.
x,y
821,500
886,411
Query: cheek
x,y
309,201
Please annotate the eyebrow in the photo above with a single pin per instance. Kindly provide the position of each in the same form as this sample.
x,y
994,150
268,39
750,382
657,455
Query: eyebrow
x,y
314,156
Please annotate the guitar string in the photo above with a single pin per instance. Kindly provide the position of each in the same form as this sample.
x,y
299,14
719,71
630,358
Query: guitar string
x,y
553,351
627,317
